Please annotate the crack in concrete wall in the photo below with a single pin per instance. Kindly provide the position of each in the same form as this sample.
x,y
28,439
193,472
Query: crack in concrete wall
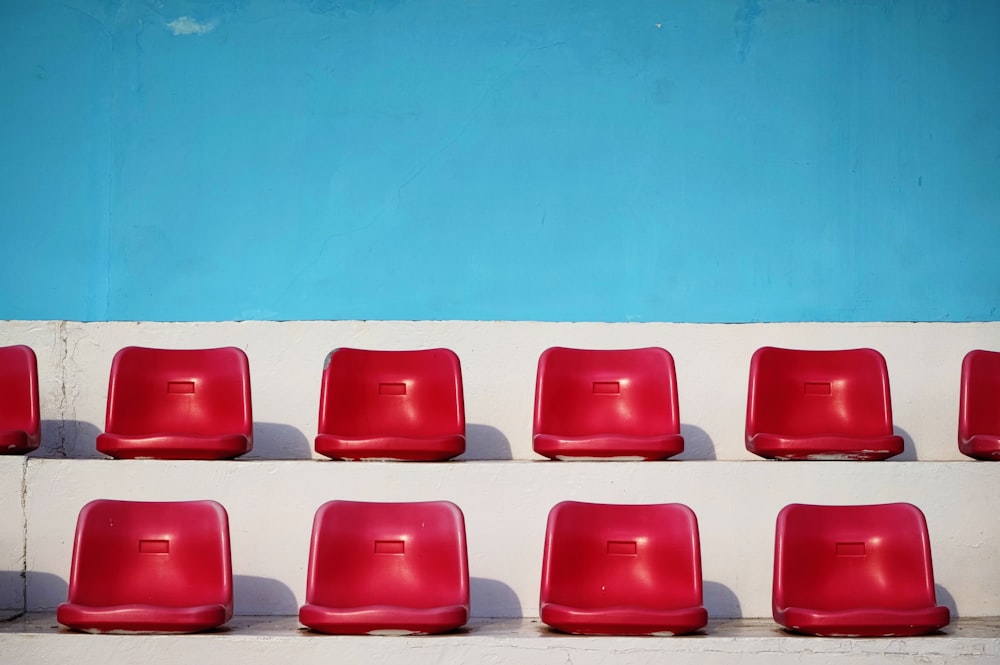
x,y
24,539
59,446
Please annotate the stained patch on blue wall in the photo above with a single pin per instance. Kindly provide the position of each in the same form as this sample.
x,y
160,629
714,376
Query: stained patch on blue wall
x,y
755,160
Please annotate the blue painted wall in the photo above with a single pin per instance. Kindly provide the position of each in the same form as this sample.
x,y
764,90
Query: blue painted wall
x,y
686,160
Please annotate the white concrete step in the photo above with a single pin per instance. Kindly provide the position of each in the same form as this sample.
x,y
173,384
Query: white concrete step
x,y
499,359
271,506
36,639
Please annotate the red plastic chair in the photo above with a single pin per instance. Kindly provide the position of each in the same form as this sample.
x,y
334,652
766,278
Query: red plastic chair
x,y
178,404
820,405
855,571
622,570
387,568
20,423
608,404
149,567
979,406
399,405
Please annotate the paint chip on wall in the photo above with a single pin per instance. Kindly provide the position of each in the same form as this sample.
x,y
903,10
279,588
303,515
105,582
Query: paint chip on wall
x,y
185,25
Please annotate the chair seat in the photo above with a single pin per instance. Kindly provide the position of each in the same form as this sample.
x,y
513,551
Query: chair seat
x,y
416,449
173,446
15,442
864,622
142,618
824,446
383,619
623,620
20,418
609,446
981,446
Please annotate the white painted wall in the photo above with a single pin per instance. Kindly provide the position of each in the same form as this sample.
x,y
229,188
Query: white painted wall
x,y
498,362
11,534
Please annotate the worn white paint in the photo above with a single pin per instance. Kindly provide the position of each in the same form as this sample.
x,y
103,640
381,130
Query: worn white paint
x,y
498,363
185,25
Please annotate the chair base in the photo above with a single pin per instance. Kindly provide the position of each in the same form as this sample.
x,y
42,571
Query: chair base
x,y
383,619
868,622
981,447
17,442
397,448
130,619
174,447
824,447
623,620
608,447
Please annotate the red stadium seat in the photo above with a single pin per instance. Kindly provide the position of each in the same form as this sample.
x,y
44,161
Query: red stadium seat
x,y
149,567
399,405
606,404
820,405
387,568
20,423
178,404
622,570
855,571
979,406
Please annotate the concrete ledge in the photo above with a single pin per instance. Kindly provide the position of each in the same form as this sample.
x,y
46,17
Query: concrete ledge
x,y
271,506
499,360
249,640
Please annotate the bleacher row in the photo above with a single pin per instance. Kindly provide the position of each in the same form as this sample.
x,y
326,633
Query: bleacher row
x,y
402,568
408,405
589,404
